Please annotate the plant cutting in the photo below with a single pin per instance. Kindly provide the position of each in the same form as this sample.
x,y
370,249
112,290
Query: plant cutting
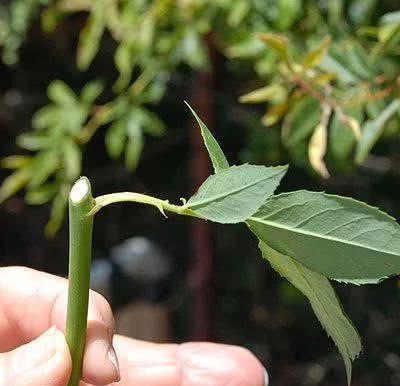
x,y
307,237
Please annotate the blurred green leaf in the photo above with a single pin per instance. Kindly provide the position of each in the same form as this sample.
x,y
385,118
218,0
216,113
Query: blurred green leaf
x,y
115,139
90,36
16,161
41,195
14,182
58,209
91,91
373,129
60,93
315,56
33,141
274,92
342,139
288,12
134,145
72,159
43,166
304,117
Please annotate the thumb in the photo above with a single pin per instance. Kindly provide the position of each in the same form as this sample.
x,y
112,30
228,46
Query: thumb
x,y
45,361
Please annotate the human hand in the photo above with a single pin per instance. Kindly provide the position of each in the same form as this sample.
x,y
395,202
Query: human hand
x,y
33,350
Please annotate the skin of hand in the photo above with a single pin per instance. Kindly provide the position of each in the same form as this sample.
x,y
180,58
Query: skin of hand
x,y
33,350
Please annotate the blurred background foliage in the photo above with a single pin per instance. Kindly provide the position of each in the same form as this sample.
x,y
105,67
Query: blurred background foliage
x,y
96,87
327,72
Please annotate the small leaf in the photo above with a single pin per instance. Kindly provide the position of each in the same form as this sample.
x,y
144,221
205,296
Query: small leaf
x,y
33,141
317,150
91,91
58,209
45,117
234,194
277,43
44,165
14,182
16,161
342,135
72,159
89,38
217,156
314,57
115,139
60,93
343,74
41,195
274,92
134,147
373,129
274,113
358,243
324,303
304,116
124,62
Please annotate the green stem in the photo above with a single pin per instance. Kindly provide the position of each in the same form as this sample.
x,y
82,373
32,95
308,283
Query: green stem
x,y
162,205
80,250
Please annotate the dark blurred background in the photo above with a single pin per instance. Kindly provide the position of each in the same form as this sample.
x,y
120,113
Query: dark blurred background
x,y
214,286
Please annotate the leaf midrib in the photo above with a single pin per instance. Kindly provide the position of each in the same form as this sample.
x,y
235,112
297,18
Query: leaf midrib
x,y
318,236
228,193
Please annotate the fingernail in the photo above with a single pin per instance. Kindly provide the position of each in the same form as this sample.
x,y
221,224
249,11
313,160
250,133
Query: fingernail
x,y
112,356
266,378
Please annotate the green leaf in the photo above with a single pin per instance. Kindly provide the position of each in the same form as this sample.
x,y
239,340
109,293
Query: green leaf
x,y
134,146
124,62
45,117
60,93
342,138
339,237
115,139
315,56
274,92
304,117
43,166
58,208
217,156
14,182
373,129
16,161
91,91
277,43
343,74
33,141
41,195
324,303
72,159
234,194
288,12
89,38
